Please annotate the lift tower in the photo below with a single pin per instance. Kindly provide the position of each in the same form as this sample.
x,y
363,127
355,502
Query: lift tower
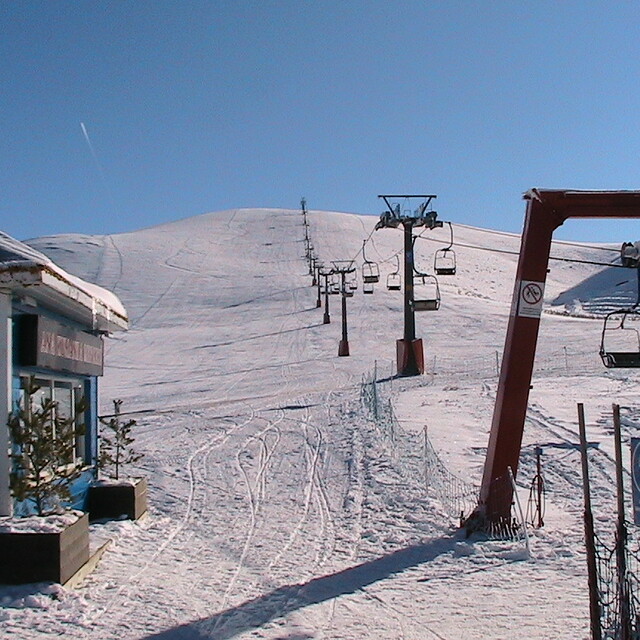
x,y
343,267
410,357
326,273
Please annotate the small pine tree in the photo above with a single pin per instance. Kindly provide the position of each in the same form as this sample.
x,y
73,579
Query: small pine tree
x,y
115,443
43,451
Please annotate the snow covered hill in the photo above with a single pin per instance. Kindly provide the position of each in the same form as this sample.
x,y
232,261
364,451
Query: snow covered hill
x,y
278,509
213,294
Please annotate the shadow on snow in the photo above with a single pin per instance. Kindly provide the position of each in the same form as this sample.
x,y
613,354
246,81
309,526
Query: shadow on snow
x,y
284,600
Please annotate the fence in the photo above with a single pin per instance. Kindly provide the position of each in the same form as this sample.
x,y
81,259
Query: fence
x,y
618,589
376,400
613,565
486,365
457,497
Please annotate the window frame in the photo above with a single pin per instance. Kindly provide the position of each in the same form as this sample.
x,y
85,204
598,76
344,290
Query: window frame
x,y
77,388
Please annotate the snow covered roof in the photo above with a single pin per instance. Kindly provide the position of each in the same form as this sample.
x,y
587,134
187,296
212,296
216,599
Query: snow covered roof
x,y
26,270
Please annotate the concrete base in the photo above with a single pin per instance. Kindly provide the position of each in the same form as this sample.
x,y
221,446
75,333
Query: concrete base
x,y
410,357
343,348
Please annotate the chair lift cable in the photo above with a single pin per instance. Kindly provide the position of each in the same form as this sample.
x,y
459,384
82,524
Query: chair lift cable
x,y
517,253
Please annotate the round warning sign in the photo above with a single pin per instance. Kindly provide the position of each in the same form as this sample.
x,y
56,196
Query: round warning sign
x,y
532,293
531,299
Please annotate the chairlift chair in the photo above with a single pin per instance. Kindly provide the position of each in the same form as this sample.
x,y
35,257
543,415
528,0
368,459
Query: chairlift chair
x,y
367,287
370,272
620,344
334,284
394,281
444,260
347,290
426,293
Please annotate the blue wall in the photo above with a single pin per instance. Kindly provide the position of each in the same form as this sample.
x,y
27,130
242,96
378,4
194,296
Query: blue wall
x,y
79,487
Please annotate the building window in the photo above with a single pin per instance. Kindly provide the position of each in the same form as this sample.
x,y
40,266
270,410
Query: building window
x,y
66,395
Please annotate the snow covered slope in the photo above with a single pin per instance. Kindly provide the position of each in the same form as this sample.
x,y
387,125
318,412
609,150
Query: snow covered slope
x,y
213,295
278,510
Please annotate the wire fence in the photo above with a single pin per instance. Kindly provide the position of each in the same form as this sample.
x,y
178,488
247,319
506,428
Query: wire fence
x,y
618,577
564,361
457,497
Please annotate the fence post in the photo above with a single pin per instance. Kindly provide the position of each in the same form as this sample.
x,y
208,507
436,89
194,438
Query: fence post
x,y
539,486
621,533
589,534
426,463
375,390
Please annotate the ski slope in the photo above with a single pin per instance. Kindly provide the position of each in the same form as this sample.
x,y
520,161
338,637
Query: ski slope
x,y
278,511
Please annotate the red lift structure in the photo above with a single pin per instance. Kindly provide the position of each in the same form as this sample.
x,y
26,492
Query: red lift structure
x,y
547,209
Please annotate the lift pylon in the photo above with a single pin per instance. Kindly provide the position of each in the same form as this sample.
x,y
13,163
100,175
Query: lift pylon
x,y
343,267
409,353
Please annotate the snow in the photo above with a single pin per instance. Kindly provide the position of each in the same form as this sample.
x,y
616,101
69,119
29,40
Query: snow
x,y
53,523
18,255
277,509
112,482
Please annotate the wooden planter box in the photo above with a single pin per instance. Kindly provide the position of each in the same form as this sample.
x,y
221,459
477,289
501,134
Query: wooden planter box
x,y
113,501
44,557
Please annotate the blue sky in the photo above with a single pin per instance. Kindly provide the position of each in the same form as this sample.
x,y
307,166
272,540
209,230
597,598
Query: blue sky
x,y
194,106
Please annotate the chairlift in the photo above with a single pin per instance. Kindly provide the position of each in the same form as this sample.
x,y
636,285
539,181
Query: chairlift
x,y
352,283
630,254
370,270
444,260
367,287
620,343
334,284
394,281
426,293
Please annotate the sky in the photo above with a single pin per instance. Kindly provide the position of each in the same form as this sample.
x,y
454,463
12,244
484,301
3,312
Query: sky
x,y
116,116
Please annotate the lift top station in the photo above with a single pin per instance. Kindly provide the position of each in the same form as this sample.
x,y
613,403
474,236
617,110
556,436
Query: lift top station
x,y
547,209
409,352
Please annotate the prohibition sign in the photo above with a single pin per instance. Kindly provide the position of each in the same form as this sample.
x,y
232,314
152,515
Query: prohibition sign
x,y
532,293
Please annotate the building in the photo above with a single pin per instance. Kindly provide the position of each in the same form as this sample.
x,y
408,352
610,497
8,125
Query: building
x,y
51,327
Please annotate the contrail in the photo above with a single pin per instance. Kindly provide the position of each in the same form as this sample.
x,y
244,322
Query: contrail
x,y
93,152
